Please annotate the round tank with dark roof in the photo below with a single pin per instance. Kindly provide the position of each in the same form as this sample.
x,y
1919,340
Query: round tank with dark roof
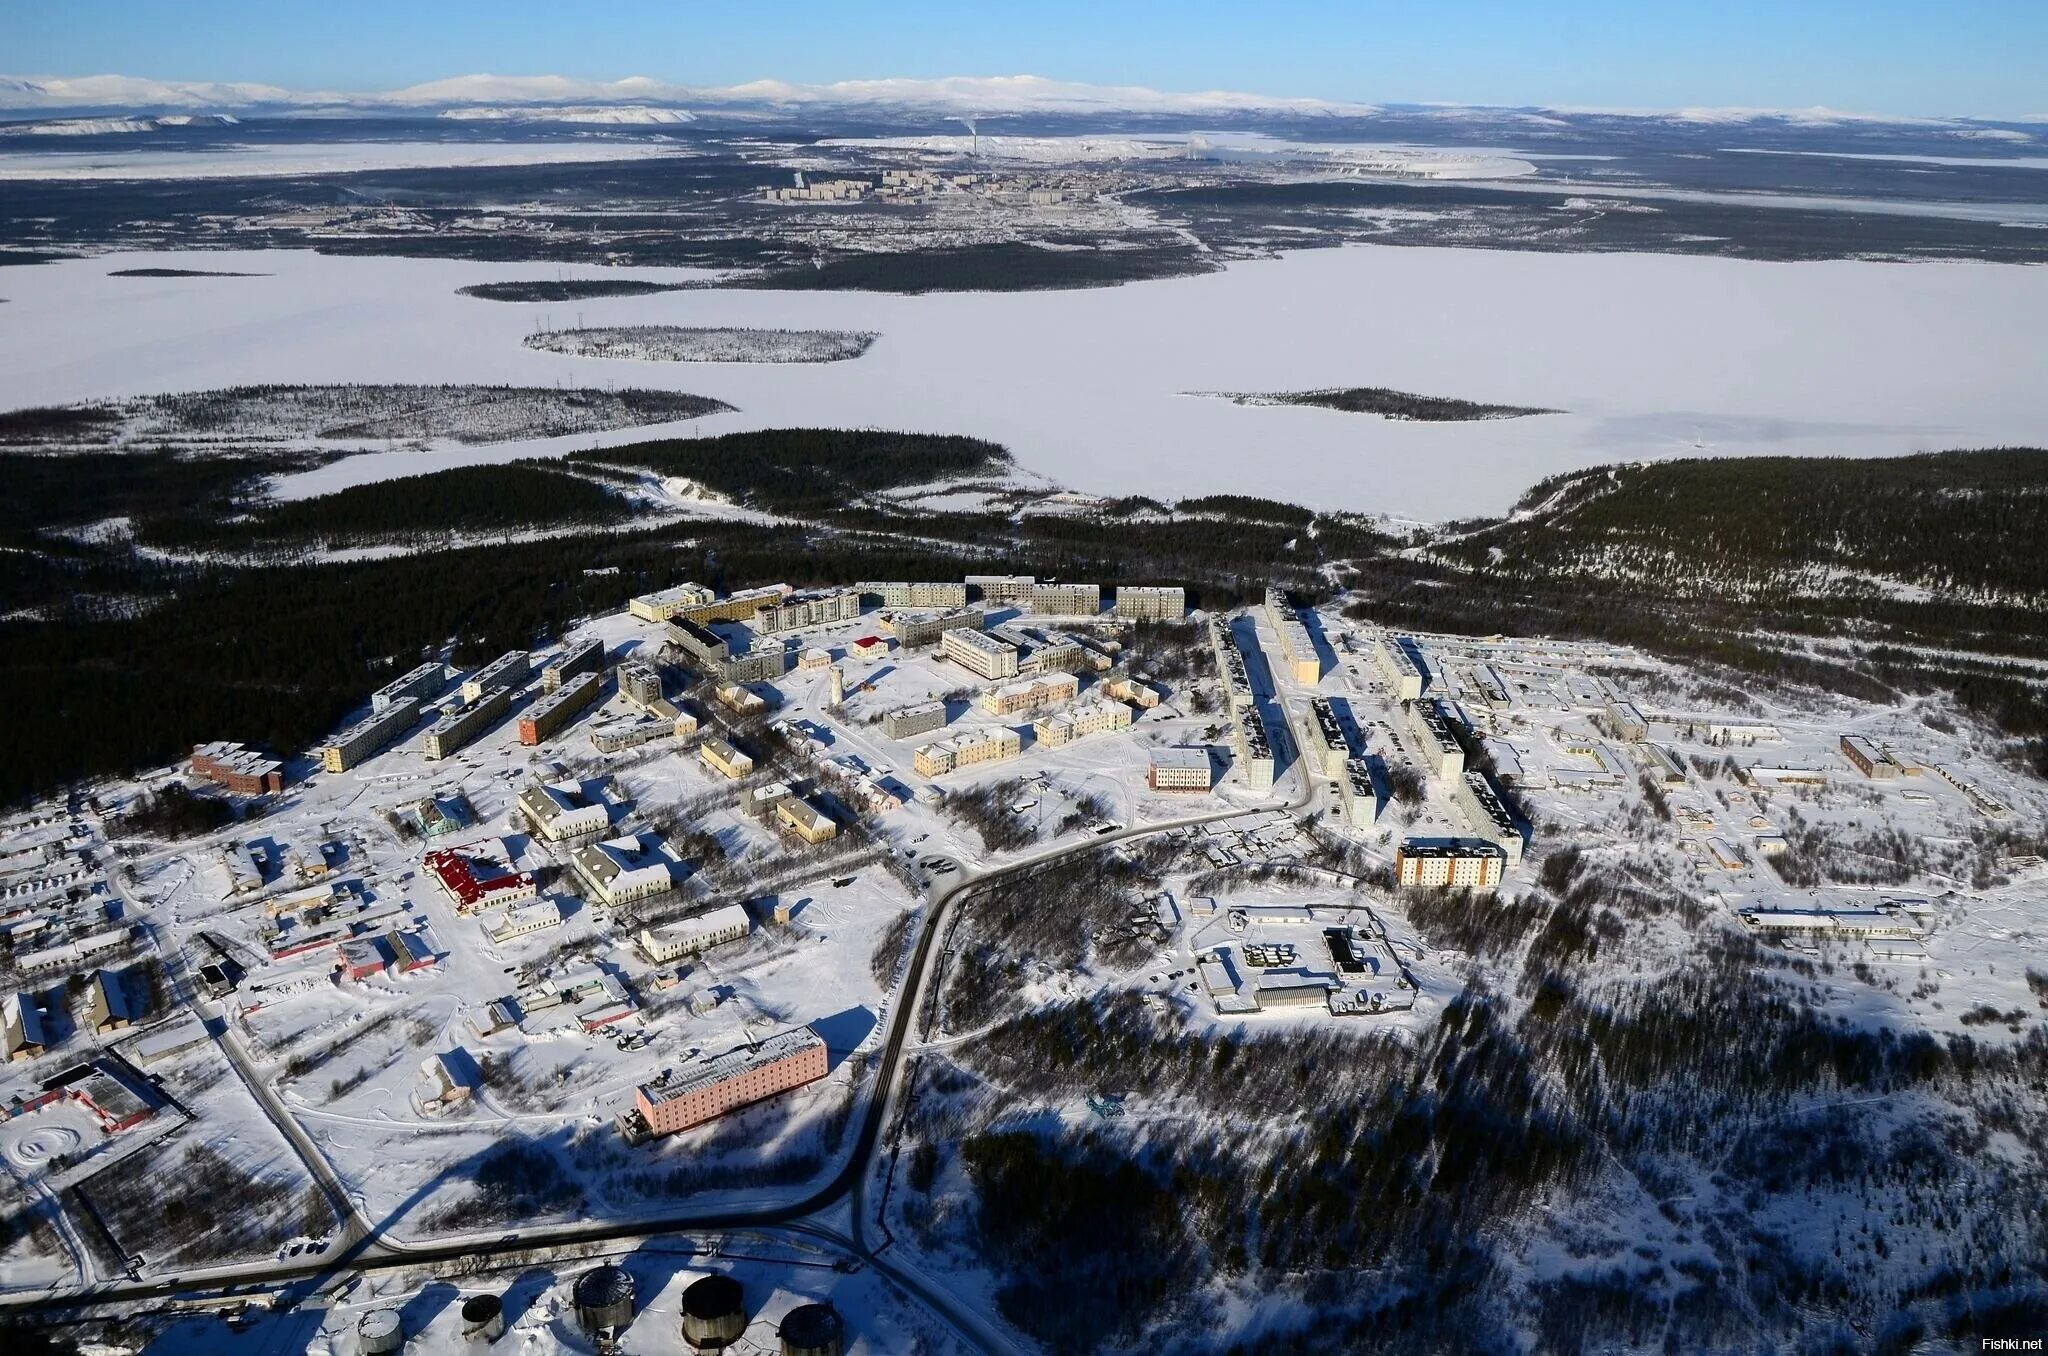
x,y
813,1330
604,1299
714,1313
483,1318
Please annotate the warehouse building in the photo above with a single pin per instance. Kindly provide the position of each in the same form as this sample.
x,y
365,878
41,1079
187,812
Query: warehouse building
x,y
806,820
586,656
662,606
925,595
559,811
1400,664
724,759
368,736
807,609
1030,695
711,1087
915,630
1868,759
982,655
620,870
1151,604
237,767
908,721
1489,815
1430,727
462,725
1065,600
422,684
1095,717
979,746
1180,769
694,936
1451,864
510,669
555,710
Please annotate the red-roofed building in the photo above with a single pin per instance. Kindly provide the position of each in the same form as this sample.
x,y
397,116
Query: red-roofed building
x,y
473,885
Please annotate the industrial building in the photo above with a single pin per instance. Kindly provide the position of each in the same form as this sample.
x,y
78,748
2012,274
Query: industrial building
x,y
1180,769
724,759
908,721
694,936
806,820
586,656
1297,646
462,725
1361,794
1429,725
1400,664
929,595
807,609
1254,749
1030,695
915,630
1065,600
751,1073
559,811
369,735
982,655
510,669
551,712
237,767
1094,717
620,870
1151,604
1332,748
522,920
1488,814
1868,759
1448,863
662,606
979,746
422,684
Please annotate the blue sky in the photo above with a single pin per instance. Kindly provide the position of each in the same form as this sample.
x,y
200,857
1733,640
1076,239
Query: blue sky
x,y
1981,57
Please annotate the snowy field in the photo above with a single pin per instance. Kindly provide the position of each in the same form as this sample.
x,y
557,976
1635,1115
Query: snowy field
x,y
1650,356
341,157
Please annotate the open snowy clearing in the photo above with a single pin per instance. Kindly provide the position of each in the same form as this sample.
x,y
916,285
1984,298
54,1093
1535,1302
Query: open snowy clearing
x,y
341,157
1428,162
1654,356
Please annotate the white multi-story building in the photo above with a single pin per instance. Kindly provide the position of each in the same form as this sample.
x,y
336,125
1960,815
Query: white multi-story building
x,y
422,684
1066,600
620,870
1151,604
1489,816
1031,695
1396,658
923,594
1095,717
979,746
694,936
510,669
1180,769
559,811
980,654
1430,727
1451,864
522,920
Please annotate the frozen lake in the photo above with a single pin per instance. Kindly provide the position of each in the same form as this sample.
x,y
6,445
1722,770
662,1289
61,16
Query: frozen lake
x,y
1648,354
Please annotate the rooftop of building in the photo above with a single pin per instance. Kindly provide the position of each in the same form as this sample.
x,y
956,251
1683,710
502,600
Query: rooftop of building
x,y
731,1064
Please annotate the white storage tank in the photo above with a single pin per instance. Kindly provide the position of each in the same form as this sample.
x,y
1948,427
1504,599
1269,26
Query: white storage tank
x,y
379,1333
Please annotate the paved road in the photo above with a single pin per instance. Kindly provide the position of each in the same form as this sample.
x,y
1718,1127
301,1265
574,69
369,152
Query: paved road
x,y
368,1249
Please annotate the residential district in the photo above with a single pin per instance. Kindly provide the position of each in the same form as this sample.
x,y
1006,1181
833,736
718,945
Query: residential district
x,y
630,897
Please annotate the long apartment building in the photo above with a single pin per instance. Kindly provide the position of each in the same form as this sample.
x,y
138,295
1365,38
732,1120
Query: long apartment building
x,y
923,594
462,725
694,936
978,746
1056,652
620,870
1230,664
558,708
1003,588
1180,769
1400,666
1065,600
712,654
1151,604
1254,749
915,630
906,722
1489,816
585,656
724,759
1361,794
1297,646
711,1087
559,811
1030,695
510,669
1448,864
1095,717
370,735
1333,750
237,767
422,684
1429,725
807,609
982,655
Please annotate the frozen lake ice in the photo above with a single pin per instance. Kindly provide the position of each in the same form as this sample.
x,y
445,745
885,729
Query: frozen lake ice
x,y
1650,356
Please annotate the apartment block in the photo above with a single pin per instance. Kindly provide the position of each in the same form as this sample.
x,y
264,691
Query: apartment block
x,y
933,595
1180,769
807,609
711,1087
915,630
1452,864
462,725
586,656
237,767
510,669
1429,725
1400,665
1151,604
365,738
558,811
662,606
1094,717
724,759
640,682
1489,816
558,707
1031,695
979,746
422,684
1066,600
982,655
694,936
908,721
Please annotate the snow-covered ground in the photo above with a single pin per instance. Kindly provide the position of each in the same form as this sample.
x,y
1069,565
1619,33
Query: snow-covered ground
x,y
1649,356
339,157
1425,162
